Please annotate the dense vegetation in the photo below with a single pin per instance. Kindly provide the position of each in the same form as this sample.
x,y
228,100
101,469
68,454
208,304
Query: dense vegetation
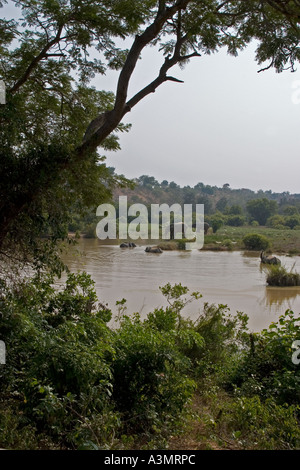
x,y
73,380
234,215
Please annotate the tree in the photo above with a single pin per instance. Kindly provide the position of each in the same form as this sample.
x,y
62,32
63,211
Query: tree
x,y
217,221
54,122
148,181
222,204
261,209
293,221
235,209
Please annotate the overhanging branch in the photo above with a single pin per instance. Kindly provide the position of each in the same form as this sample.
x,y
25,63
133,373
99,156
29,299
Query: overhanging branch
x,y
121,107
42,55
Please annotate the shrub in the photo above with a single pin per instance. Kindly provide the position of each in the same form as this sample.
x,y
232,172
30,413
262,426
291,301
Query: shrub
x,y
217,221
254,241
153,362
224,335
275,220
90,231
279,276
79,383
59,350
236,220
263,424
267,369
151,384
292,221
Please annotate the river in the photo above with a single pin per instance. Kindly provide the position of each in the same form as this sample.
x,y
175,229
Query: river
x,y
232,278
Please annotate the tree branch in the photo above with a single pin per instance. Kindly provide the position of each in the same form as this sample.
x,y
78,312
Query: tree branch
x,y
139,44
42,55
121,107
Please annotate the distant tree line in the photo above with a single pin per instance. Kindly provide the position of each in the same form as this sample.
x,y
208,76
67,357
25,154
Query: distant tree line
x,y
222,205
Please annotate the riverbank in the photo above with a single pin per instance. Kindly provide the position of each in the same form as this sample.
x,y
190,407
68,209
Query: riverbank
x,y
282,241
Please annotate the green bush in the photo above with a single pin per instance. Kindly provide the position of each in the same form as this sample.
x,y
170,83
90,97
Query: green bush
x,y
275,220
281,227
224,335
235,220
151,384
217,221
90,231
267,368
279,276
71,381
153,363
263,425
254,241
80,384
292,221
59,350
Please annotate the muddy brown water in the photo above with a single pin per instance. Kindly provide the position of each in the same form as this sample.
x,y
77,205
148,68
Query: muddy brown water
x,y
232,278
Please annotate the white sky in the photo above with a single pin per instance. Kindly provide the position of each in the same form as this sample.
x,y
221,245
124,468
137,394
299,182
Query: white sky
x,y
225,124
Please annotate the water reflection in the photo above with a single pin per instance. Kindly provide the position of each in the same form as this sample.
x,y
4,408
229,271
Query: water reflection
x,y
284,296
231,278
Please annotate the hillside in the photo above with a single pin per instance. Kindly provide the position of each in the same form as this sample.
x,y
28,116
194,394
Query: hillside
x,y
149,191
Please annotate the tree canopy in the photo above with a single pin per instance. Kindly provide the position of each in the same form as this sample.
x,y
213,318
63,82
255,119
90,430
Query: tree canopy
x,y
54,121
261,209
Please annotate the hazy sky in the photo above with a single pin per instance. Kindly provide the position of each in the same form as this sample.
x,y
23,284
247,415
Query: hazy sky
x,y
226,123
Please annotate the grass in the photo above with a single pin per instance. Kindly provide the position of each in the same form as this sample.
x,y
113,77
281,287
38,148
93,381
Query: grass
x,y
227,238
221,421
280,277
282,240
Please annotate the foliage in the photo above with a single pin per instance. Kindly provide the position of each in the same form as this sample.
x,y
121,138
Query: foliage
x,y
58,354
236,220
275,220
71,381
54,121
255,241
279,276
216,221
224,335
261,209
292,221
154,359
262,425
78,383
267,369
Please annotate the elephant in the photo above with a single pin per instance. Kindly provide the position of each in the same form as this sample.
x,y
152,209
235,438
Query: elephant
x,y
128,245
181,226
153,249
269,259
